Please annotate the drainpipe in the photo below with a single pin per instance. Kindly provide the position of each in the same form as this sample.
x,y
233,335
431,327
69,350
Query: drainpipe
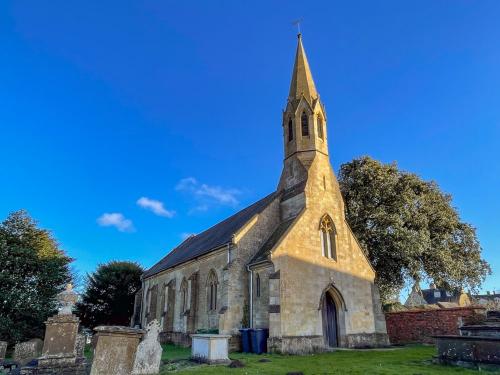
x,y
250,287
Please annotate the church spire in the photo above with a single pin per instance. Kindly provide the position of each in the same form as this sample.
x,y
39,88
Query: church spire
x,y
302,80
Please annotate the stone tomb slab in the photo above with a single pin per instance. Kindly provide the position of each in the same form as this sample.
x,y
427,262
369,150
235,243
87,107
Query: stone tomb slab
x,y
59,346
115,350
210,349
463,350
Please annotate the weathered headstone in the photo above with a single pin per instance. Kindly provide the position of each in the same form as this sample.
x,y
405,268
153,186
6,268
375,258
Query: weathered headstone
x,y
3,349
115,350
148,355
24,352
80,345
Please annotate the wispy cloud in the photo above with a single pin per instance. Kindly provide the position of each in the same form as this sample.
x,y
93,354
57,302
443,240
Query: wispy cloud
x,y
116,220
207,194
186,235
155,206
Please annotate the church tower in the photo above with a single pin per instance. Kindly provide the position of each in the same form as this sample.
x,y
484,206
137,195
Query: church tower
x,y
304,123
306,163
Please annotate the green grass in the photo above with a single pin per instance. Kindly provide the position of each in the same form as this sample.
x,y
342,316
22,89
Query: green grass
x,y
88,352
413,360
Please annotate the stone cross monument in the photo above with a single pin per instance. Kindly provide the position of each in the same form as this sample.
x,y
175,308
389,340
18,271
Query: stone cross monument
x,y
60,344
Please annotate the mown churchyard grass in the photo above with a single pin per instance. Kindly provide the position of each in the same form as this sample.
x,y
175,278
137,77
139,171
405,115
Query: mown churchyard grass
x,y
413,360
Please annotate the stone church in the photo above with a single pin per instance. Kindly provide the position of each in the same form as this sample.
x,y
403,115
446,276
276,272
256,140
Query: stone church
x,y
289,262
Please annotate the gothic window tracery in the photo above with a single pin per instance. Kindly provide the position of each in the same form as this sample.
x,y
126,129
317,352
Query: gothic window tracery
x,y
304,121
328,235
212,290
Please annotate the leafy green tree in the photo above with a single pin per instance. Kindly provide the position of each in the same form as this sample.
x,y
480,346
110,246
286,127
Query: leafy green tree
x,y
109,294
32,271
409,229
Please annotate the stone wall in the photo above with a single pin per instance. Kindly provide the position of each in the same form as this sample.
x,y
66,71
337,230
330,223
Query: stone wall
x,y
261,302
417,326
248,241
167,309
229,263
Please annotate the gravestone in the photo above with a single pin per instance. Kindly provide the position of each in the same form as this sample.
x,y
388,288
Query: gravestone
x,y
80,345
59,346
26,351
148,356
3,349
61,353
115,350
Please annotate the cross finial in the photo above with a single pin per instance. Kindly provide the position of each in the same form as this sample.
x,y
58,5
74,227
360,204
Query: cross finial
x,y
297,23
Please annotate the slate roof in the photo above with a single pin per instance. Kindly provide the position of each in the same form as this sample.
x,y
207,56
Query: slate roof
x,y
441,296
211,239
266,248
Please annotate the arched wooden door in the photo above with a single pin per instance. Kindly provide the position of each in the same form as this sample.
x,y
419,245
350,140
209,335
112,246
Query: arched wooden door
x,y
330,321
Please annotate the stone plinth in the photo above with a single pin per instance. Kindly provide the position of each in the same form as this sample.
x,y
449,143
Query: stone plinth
x,y
59,346
3,349
24,352
115,350
210,348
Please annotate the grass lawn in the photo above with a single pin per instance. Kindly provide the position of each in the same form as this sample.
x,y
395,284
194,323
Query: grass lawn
x,y
414,360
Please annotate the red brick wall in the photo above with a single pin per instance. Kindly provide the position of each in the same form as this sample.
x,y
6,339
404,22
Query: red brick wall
x,y
417,326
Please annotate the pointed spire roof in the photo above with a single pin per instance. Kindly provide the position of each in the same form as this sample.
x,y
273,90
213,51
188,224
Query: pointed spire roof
x,y
302,80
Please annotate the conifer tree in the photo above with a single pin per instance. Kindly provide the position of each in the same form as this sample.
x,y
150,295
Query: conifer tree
x,y
109,294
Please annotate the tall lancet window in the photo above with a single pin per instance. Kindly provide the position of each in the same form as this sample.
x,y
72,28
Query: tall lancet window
x,y
184,296
320,127
304,121
328,235
212,291
290,130
257,285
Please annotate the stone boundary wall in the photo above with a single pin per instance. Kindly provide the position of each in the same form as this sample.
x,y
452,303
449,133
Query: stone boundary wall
x,y
417,326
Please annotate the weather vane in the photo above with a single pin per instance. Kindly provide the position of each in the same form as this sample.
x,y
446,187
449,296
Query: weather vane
x,y
297,23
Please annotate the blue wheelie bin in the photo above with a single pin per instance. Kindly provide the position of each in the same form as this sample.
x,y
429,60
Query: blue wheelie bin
x,y
259,337
246,346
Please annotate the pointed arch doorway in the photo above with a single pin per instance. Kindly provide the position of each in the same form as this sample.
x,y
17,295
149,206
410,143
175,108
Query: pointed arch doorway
x,y
330,321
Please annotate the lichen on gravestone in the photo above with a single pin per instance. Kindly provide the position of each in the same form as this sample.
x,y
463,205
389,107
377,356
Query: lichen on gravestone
x,y
26,351
148,355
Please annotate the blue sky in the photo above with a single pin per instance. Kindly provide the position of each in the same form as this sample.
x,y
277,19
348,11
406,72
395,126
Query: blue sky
x,y
168,113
